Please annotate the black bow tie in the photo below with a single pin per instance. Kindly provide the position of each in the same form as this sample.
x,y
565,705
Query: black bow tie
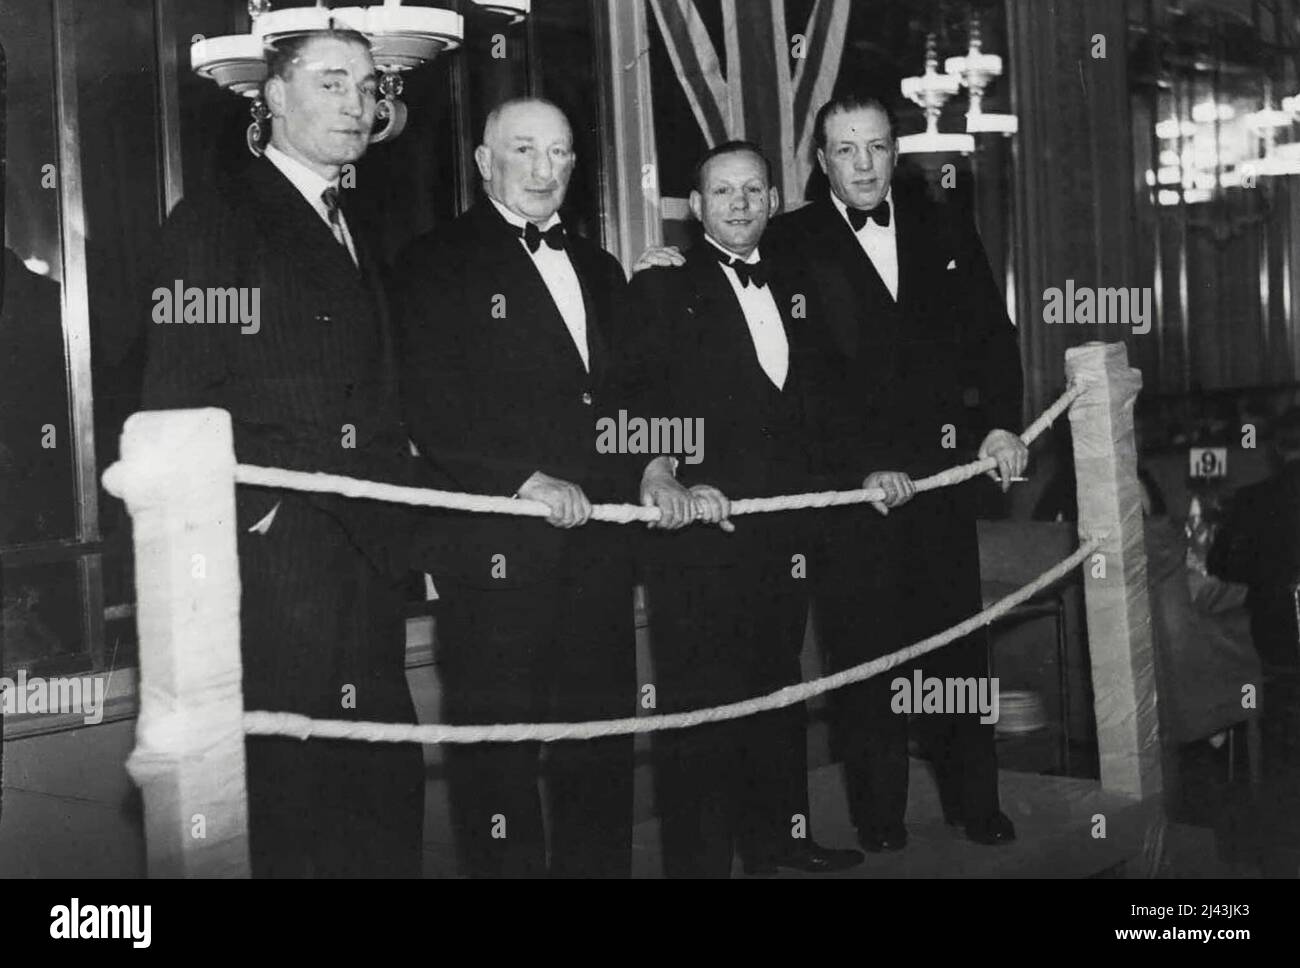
x,y
749,273
880,215
534,237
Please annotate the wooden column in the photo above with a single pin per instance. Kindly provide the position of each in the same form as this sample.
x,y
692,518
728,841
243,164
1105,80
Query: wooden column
x,y
1115,578
177,477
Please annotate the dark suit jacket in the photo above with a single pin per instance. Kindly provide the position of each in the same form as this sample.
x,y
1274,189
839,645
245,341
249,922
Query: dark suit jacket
x,y
494,388
320,363
944,353
1259,546
693,357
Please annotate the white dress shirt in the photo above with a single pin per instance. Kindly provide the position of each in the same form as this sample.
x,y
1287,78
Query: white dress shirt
x,y
879,242
763,318
311,186
561,280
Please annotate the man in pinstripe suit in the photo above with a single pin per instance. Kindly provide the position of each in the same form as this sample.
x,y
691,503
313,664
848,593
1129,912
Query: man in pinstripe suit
x,y
310,386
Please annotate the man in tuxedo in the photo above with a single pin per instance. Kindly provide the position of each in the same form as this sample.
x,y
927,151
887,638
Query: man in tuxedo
x,y
719,342
931,377
309,380
510,341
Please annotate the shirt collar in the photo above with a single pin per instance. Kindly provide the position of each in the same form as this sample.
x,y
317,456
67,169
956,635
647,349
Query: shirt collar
x,y
309,184
748,260
844,209
519,222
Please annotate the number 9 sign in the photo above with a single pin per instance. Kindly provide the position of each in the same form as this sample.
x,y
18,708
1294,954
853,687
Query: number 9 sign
x,y
1208,461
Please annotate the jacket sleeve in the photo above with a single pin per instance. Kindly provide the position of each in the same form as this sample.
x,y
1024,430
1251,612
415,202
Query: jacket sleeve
x,y
188,365
991,345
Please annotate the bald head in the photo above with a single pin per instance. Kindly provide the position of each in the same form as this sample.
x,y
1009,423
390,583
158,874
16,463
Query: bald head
x,y
526,157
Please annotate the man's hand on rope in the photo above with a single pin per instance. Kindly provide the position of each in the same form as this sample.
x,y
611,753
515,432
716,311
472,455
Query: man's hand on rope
x,y
660,489
712,506
1011,454
897,486
569,506
664,256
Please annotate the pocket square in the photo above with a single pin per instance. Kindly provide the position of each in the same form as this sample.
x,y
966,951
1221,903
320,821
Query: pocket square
x,y
952,263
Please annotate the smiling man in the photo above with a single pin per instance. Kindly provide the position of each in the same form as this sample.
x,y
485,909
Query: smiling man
x,y
509,334
310,388
719,340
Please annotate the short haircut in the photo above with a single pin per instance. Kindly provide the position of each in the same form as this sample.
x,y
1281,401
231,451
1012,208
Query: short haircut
x,y
730,148
284,54
495,114
851,101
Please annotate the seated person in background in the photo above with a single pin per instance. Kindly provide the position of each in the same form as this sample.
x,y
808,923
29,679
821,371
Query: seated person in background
x,y
1259,546
1202,642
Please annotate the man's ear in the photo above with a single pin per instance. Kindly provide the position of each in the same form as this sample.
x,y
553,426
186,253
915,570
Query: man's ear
x,y
821,159
483,158
697,204
774,197
273,94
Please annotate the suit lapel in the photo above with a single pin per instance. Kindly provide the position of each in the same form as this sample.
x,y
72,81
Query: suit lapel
x,y
725,327
915,254
587,272
291,225
925,249
855,259
372,278
510,261
783,292
858,281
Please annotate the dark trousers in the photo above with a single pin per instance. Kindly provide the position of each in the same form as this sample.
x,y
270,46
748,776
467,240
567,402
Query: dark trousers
x,y
558,651
720,634
940,558
855,583
323,634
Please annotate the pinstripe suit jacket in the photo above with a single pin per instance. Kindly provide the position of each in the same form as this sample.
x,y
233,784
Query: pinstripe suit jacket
x,y
313,386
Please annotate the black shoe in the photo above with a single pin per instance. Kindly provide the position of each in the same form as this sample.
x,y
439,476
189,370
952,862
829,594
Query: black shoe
x,y
877,839
811,858
996,829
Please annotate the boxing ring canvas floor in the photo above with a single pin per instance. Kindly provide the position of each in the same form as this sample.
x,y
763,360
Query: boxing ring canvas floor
x,y
1053,818
68,813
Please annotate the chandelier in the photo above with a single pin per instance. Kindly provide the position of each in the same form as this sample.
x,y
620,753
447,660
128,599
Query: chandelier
x,y
401,38
932,90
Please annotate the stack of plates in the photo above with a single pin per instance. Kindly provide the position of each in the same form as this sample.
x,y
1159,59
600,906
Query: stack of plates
x,y
1020,712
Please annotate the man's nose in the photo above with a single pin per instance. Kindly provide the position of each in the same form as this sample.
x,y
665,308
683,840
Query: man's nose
x,y
354,103
863,161
543,167
739,202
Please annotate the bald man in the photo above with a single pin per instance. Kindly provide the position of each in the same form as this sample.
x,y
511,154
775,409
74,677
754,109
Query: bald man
x,y
508,337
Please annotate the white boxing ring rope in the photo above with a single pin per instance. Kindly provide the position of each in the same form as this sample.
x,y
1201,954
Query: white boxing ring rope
x,y
260,723
177,475
617,513
304,727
